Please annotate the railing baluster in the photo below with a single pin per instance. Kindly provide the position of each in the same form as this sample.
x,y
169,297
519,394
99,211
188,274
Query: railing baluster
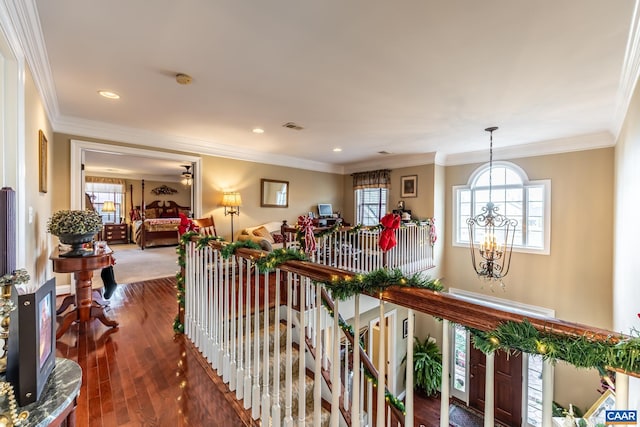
x,y
408,420
247,360
255,393
317,371
275,409
380,407
232,334
301,349
226,322
240,354
335,369
355,404
266,397
288,416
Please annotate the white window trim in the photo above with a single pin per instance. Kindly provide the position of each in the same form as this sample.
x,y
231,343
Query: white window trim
x,y
545,183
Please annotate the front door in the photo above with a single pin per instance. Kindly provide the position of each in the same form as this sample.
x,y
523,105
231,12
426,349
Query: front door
x,y
507,385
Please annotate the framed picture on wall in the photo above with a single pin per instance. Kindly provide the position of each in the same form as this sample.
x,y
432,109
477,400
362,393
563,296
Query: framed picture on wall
x,y
409,186
42,162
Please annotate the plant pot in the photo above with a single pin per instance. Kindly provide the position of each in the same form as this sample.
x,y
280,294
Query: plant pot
x,y
76,241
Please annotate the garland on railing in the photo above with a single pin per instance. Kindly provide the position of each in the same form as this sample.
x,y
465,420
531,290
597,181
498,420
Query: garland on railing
x,y
203,241
277,257
178,326
231,248
578,351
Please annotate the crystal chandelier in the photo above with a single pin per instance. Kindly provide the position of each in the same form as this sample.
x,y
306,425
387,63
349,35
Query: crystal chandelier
x,y
494,231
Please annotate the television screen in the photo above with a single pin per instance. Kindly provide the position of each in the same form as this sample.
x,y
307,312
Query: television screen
x,y
325,210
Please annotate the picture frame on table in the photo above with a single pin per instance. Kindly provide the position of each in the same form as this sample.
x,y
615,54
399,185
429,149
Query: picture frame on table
x,y
409,186
42,161
596,414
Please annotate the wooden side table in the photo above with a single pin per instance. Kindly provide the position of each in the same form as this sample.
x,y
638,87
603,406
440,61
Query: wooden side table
x,y
85,308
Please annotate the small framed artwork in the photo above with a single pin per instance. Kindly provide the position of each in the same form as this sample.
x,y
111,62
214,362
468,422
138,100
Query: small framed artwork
x,y
405,328
409,186
596,414
42,161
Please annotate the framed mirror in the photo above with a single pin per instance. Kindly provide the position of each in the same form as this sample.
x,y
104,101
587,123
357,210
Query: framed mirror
x,y
274,193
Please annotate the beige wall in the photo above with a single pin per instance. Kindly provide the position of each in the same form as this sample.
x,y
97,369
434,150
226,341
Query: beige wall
x,y
576,278
627,230
307,188
36,238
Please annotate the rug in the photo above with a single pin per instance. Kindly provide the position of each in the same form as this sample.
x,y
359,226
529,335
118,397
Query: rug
x,y
462,417
135,265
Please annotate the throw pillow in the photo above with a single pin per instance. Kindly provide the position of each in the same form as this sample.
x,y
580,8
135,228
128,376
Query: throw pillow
x,y
278,238
264,233
150,213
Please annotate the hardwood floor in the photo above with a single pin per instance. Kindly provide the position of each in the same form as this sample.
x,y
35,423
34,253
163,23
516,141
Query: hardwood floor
x,y
140,374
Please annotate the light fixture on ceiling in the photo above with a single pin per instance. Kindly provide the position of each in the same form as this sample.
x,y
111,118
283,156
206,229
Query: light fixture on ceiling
x,y
231,202
337,150
257,130
109,94
187,176
494,231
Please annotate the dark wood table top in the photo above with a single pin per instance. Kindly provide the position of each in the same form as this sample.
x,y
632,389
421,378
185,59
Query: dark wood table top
x,y
99,258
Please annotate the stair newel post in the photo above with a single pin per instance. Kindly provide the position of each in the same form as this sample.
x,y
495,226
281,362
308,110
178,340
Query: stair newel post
x,y
266,397
247,359
255,392
288,418
335,368
317,369
240,345
355,403
226,322
213,291
380,406
275,409
232,334
301,357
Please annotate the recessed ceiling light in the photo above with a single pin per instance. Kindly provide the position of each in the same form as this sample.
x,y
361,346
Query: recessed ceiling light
x,y
258,130
337,149
109,94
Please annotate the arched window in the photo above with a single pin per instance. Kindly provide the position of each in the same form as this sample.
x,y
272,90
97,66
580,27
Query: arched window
x,y
528,202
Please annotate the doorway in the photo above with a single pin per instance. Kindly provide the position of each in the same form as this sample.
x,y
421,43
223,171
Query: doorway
x,y
507,385
390,347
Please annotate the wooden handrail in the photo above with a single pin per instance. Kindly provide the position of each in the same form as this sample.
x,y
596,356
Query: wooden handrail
x,y
448,306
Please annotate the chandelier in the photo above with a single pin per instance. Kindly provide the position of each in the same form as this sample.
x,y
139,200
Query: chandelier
x,y
187,176
494,231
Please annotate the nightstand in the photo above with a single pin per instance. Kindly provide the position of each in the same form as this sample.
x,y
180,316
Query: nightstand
x,y
115,233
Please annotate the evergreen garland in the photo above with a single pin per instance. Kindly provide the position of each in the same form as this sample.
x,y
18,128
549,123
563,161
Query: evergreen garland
x,y
178,326
231,248
277,257
619,353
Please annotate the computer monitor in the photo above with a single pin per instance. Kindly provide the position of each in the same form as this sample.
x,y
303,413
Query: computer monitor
x,y
325,210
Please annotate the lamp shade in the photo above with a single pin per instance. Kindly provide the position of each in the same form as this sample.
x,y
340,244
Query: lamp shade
x,y
108,206
231,199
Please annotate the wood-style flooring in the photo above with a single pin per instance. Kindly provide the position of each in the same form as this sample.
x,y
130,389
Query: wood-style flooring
x,y
141,374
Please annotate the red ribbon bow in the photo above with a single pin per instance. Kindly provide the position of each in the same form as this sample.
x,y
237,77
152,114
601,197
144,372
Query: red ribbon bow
x,y
306,225
186,224
390,222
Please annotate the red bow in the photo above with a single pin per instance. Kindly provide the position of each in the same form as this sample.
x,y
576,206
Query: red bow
x,y
186,224
390,222
306,225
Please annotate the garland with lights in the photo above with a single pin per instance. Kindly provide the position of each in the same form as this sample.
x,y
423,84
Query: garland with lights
x,y
622,354
178,325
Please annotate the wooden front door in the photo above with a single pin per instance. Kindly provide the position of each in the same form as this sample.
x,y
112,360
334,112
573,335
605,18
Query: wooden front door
x,y
507,385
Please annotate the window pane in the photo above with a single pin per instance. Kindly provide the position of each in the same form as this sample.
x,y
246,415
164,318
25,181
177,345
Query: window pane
x,y
498,176
482,180
535,209
536,193
465,196
465,210
512,178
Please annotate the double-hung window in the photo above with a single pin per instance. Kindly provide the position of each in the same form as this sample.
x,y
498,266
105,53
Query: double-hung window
x,y
371,193
528,202
101,190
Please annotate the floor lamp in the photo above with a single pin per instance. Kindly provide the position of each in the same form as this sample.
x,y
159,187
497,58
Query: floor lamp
x,y
231,202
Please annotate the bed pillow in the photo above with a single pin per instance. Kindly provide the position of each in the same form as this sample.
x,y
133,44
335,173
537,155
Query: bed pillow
x,y
151,213
264,233
170,213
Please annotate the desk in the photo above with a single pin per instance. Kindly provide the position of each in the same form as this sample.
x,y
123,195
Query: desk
x,y
85,308
58,401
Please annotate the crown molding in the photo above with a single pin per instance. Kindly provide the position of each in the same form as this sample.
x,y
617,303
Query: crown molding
x,y
390,162
29,31
99,130
554,146
630,71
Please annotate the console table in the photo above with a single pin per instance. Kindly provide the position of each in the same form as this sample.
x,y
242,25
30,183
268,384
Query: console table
x,y
57,404
85,307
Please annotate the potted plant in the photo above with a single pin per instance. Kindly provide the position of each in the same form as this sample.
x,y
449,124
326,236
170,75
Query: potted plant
x,y
427,366
75,228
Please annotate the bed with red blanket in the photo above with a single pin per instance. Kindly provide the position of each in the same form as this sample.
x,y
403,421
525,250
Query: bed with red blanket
x,y
159,224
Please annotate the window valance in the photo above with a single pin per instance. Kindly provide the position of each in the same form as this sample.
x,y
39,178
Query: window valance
x,y
372,179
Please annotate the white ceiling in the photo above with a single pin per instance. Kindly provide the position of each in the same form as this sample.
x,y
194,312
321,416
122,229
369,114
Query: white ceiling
x,y
415,78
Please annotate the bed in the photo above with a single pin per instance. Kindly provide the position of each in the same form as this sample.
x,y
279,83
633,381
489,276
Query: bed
x,y
158,225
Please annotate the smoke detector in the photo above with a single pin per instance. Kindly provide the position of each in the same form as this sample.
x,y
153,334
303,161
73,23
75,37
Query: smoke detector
x,y
183,79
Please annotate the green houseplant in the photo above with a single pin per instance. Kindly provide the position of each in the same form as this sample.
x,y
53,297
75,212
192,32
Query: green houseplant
x,y
75,227
427,366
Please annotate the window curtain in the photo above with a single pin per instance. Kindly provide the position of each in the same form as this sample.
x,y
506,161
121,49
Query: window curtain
x,y
372,179
106,185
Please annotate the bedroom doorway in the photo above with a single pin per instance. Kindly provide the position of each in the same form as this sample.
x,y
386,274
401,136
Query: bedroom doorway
x,y
79,150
